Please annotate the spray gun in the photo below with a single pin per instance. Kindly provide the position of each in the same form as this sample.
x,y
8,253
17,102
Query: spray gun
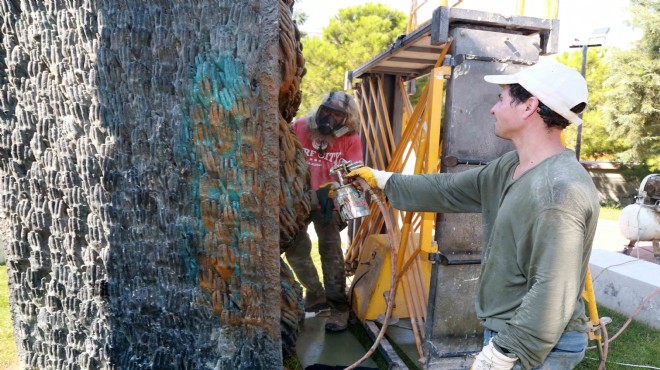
x,y
349,199
352,205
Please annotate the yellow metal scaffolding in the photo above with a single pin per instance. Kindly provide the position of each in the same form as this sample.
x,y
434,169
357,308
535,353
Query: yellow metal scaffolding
x,y
420,144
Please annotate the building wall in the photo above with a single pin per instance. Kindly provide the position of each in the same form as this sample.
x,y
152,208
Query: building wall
x,y
613,187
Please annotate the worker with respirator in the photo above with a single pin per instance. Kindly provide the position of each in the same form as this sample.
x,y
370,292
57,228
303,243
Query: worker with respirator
x,y
328,135
539,213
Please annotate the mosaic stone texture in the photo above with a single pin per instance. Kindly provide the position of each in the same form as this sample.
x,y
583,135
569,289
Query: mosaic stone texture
x,y
150,182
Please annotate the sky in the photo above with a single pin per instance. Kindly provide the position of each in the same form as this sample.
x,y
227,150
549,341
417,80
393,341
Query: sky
x,y
578,18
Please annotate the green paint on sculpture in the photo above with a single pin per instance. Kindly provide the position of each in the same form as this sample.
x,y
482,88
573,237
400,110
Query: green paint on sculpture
x,y
222,141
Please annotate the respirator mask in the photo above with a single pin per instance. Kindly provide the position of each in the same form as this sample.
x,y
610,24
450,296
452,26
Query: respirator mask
x,y
330,121
332,114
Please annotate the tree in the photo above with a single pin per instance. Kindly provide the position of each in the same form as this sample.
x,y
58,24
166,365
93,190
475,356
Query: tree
x,y
631,111
353,37
597,142
300,17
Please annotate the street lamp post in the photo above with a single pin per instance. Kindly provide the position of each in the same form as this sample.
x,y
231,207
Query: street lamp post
x,y
596,38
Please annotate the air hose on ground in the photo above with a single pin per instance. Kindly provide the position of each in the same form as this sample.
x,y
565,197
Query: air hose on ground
x,y
390,303
606,340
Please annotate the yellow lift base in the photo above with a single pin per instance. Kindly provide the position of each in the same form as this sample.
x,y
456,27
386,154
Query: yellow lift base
x,y
371,283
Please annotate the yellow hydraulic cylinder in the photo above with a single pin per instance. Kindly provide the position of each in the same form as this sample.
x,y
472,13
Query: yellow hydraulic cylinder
x,y
434,119
589,296
552,9
520,7
371,282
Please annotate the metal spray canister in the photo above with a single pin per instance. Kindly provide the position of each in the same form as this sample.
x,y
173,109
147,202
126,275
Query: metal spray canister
x,y
349,200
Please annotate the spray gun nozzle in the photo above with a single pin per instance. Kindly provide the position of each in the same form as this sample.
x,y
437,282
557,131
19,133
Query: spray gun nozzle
x,y
344,167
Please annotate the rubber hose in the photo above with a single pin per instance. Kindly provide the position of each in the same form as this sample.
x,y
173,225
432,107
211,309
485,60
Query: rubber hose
x,y
390,303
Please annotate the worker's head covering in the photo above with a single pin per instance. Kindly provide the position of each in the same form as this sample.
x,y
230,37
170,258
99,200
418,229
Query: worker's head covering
x,y
336,101
555,85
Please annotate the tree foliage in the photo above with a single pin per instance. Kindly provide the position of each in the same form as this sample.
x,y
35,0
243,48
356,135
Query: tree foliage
x,y
631,110
623,120
353,36
597,142
621,124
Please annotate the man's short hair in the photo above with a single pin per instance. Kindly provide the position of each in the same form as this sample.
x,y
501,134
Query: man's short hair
x,y
557,86
551,118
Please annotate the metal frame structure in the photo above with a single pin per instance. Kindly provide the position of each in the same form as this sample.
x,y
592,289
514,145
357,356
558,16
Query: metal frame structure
x,y
398,137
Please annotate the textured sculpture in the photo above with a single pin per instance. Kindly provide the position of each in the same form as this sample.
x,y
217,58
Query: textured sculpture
x,y
294,176
150,181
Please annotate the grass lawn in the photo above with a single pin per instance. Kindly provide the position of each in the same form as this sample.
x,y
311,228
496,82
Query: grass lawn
x,y
8,356
638,345
609,213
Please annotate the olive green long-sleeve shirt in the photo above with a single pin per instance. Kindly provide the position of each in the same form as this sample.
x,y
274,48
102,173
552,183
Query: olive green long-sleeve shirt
x,y
537,236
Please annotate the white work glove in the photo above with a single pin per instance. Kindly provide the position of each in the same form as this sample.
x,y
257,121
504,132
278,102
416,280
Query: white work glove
x,y
375,178
491,359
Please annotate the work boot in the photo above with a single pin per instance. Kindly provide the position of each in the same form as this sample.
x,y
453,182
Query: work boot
x,y
315,301
337,321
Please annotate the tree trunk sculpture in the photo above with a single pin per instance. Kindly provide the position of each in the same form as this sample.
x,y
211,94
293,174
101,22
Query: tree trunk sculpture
x,y
150,181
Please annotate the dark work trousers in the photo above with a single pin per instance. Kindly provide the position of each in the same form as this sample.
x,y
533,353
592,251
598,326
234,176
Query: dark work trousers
x,y
332,260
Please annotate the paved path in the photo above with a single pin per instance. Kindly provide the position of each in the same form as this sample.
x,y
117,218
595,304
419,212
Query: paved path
x,y
609,237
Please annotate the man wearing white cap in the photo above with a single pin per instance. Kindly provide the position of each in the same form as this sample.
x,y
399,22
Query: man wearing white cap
x,y
539,213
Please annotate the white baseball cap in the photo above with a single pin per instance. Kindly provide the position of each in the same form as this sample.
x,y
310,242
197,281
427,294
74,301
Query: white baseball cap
x,y
558,86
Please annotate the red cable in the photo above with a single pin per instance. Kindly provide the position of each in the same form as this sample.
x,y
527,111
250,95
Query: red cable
x,y
605,346
607,341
